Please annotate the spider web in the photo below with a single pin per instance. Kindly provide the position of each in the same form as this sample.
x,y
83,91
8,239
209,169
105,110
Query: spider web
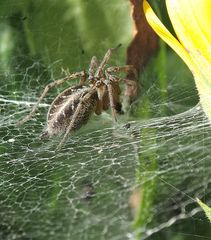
x,y
89,189
84,191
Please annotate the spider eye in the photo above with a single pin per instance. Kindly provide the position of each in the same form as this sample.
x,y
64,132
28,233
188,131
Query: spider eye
x,y
98,83
91,78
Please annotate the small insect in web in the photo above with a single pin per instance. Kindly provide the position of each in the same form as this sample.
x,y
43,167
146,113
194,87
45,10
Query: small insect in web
x,y
98,89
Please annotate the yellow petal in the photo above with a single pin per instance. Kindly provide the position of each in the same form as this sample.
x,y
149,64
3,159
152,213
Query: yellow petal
x,y
191,20
163,32
203,81
192,23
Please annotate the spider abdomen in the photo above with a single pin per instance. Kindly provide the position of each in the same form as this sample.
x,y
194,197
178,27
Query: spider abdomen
x,y
65,105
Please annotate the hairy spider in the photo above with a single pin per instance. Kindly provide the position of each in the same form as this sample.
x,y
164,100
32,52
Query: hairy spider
x,y
97,90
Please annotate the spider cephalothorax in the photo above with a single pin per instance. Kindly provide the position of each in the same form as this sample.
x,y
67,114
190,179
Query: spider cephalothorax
x,y
96,92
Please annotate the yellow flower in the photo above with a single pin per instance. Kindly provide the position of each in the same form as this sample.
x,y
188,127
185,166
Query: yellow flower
x,y
192,23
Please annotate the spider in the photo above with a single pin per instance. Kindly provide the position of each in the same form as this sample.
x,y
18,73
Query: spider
x,y
96,92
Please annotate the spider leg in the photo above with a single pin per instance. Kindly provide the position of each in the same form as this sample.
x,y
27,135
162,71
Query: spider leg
x,y
76,113
118,79
93,66
50,86
111,99
98,108
129,82
105,60
116,96
126,69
